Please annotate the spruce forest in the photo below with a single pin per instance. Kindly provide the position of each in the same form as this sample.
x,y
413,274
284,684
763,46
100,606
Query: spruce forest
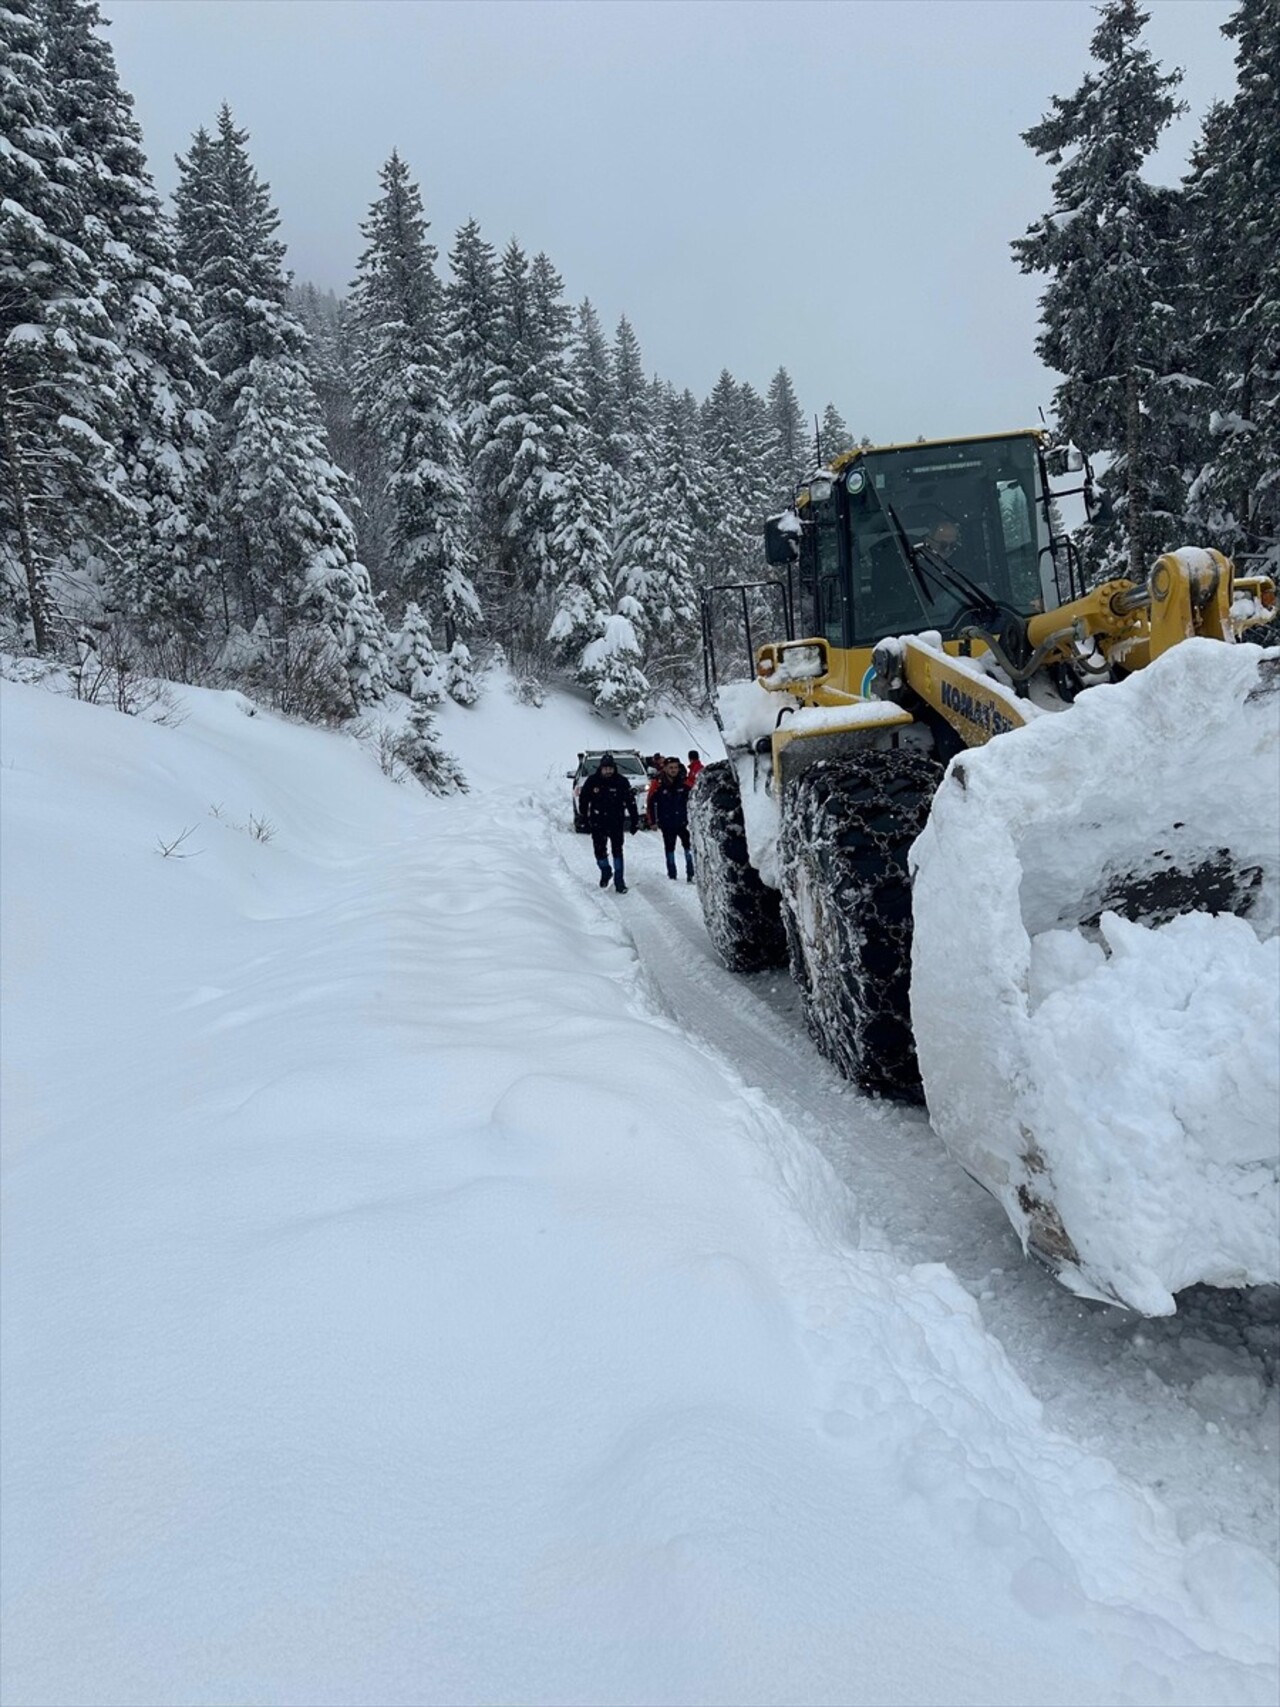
x,y
213,474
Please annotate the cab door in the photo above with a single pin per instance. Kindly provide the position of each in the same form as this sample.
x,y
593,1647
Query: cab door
x,y
831,603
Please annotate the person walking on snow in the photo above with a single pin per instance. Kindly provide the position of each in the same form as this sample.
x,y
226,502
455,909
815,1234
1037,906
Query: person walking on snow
x,y
606,802
695,766
671,814
655,780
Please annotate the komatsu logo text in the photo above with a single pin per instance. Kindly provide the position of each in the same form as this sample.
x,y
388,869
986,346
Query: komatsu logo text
x,y
982,713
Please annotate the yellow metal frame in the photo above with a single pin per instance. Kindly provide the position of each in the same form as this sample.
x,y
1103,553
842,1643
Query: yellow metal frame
x,y
1131,623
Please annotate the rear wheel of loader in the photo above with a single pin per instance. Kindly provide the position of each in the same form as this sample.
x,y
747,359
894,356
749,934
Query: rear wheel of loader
x,y
846,833
743,916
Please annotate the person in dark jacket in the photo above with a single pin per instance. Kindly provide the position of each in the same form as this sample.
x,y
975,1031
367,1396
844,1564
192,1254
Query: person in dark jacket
x,y
671,815
606,802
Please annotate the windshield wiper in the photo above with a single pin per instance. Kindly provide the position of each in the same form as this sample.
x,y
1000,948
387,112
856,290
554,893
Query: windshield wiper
x,y
955,580
908,551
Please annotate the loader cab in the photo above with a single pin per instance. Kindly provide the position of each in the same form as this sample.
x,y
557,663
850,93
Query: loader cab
x,y
885,528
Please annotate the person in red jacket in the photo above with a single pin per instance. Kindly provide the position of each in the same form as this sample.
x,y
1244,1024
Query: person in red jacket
x,y
695,765
655,765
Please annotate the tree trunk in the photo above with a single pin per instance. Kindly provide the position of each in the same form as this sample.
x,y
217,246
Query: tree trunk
x,y
37,595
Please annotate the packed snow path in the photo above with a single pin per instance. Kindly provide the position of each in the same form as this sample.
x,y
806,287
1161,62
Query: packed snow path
x,y
1187,1405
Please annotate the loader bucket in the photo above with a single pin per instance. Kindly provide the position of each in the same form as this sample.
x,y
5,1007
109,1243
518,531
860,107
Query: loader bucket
x,y
1096,977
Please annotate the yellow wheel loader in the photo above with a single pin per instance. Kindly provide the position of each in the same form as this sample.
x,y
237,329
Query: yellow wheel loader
x,y
927,600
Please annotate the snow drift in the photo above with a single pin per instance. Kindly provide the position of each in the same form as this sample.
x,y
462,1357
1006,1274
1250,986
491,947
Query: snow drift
x,y
1137,1152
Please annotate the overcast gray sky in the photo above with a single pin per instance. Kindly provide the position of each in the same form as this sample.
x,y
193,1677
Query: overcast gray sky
x,y
830,185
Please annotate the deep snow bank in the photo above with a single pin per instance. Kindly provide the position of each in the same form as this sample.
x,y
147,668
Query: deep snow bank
x,y
394,1310
1115,1081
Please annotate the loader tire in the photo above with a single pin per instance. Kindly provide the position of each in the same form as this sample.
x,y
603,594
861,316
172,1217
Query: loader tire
x,y
847,828
742,914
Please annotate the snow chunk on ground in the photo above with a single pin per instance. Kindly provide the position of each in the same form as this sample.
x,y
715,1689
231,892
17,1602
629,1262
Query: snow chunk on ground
x,y
1115,1081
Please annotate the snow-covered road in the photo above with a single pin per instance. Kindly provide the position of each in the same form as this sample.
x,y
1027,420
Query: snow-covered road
x,y
1188,1405
428,1278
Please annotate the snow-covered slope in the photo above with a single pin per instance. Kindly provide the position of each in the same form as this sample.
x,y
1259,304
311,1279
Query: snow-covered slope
x,y
397,1309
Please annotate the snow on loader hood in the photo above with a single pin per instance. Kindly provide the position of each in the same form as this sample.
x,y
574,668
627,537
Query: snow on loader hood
x,y
1111,1078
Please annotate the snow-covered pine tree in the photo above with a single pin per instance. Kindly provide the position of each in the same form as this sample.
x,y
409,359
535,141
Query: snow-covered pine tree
x,y
631,408
401,401
59,362
286,542
505,453
418,748
158,567
291,512
834,433
583,592
791,447
1233,218
414,657
593,374
659,549
460,681
532,409
1107,246
625,453
472,327
472,321
611,669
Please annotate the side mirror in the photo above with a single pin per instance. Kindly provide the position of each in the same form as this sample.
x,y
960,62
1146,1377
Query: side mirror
x,y
1064,459
782,539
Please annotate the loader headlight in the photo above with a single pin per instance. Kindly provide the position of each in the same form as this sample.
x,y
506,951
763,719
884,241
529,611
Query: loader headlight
x,y
802,663
855,480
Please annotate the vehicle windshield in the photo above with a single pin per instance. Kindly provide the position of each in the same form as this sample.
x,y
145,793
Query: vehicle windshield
x,y
969,507
627,764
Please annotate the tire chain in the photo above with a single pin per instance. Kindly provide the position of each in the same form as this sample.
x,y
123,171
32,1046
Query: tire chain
x,y
844,852
743,916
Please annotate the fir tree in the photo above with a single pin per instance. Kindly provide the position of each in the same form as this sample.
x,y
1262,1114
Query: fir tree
x,y
835,435
401,401
631,410
59,361
472,320
472,325
418,748
1108,246
790,446
592,372
460,674
414,658
611,668
658,553
583,593
532,412
1233,217
160,564
286,541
